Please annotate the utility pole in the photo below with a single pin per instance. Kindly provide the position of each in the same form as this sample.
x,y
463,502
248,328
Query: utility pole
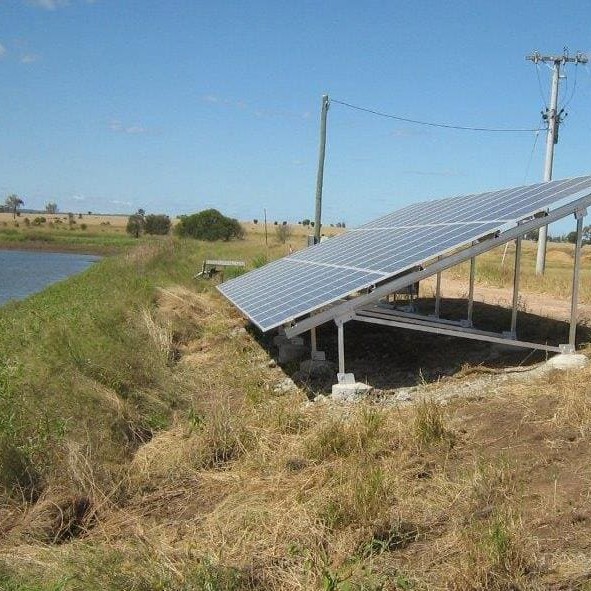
x,y
554,118
320,176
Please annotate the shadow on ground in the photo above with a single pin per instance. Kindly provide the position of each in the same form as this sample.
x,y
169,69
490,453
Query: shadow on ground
x,y
389,358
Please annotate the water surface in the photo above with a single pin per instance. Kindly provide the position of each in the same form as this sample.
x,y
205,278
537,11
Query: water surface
x,y
23,273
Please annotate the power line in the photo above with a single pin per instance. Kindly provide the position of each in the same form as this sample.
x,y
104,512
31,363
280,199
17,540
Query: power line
x,y
540,87
572,94
431,123
531,156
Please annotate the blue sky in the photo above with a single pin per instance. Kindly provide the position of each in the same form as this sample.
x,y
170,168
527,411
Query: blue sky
x,y
112,105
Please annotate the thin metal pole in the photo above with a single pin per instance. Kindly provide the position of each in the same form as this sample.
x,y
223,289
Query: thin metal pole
x,y
320,176
471,289
504,255
438,293
516,285
575,292
266,235
341,345
313,340
551,139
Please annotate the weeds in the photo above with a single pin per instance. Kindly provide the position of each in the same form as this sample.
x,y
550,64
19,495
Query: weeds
x,y
429,423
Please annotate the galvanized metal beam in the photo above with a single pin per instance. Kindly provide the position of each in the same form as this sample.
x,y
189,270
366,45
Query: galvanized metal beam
x,y
576,271
447,262
456,332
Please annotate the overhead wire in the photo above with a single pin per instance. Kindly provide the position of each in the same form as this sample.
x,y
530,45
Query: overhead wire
x,y
540,86
431,123
572,94
531,156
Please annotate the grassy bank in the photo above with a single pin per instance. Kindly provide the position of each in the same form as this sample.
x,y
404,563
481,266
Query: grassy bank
x,y
102,243
147,443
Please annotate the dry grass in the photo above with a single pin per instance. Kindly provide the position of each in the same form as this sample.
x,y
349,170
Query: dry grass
x,y
557,280
249,489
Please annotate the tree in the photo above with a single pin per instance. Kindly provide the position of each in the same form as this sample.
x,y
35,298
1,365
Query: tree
x,y
587,235
283,232
306,222
51,207
157,224
210,225
571,237
13,202
135,225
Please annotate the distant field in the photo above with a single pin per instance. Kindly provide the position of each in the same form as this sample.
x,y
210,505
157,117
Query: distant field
x,y
115,223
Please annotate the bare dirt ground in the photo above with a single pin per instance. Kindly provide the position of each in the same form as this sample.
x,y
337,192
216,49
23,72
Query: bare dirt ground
x,y
400,363
534,303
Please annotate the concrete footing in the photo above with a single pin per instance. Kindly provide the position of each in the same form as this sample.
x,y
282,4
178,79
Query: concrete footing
x,y
348,390
292,352
568,361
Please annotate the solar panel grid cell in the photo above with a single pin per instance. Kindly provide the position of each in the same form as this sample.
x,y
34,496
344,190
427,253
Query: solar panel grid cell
x,y
287,289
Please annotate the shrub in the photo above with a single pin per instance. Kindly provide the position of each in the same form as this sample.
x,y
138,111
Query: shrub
x,y
157,224
135,225
210,225
83,226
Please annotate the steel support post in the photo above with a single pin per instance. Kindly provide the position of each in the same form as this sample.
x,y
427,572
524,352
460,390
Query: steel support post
x,y
438,293
313,341
471,289
516,285
341,346
575,291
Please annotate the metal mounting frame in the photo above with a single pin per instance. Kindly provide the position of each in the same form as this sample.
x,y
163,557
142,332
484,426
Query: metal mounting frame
x,y
359,308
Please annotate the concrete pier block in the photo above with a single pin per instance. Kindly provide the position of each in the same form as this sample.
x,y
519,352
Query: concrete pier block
x,y
281,339
290,352
568,361
348,390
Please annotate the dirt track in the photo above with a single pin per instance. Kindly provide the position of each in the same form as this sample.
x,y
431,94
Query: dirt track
x,y
534,303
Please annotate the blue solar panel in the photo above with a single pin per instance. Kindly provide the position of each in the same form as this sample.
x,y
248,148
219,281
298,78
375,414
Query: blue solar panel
x,y
308,280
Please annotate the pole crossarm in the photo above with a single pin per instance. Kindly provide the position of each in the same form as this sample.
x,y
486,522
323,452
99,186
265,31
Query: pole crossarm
x,y
536,57
348,307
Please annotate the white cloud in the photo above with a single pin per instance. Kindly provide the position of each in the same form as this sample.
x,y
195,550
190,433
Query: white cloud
x,y
29,58
78,198
53,4
48,4
118,127
117,202
2,50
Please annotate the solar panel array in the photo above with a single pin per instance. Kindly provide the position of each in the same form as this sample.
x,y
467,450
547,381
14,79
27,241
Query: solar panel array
x,y
301,283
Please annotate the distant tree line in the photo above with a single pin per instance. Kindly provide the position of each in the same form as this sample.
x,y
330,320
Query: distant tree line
x,y
570,237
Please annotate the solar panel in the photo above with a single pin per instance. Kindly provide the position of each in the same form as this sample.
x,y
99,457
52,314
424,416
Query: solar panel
x,y
310,279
